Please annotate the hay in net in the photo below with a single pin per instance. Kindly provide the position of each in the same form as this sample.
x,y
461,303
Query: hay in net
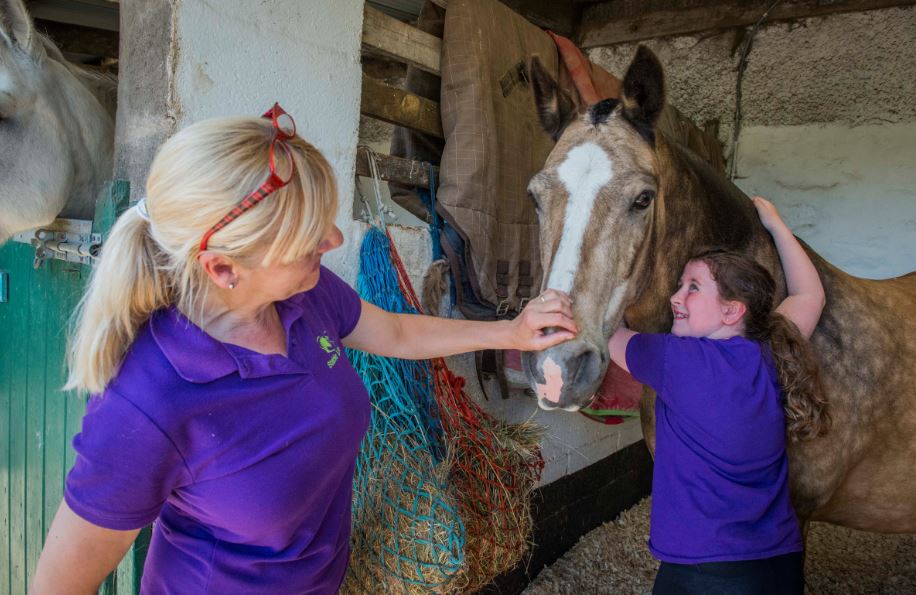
x,y
493,468
406,540
407,533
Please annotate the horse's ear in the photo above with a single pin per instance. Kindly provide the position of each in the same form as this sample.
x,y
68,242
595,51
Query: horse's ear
x,y
555,108
643,90
16,27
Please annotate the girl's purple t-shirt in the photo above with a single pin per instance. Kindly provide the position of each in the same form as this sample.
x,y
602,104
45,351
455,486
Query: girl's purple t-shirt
x,y
244,461
720,484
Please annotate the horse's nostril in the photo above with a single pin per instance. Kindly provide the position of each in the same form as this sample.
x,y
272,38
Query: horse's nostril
x,y
588,366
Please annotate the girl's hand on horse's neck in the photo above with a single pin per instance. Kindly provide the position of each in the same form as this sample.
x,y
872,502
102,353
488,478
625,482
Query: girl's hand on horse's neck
x,y
230,316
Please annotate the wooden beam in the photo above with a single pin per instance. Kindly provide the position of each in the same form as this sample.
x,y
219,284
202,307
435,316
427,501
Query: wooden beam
x,y
620,21
559,17
395,169
97,14
400,108
80,40
399,41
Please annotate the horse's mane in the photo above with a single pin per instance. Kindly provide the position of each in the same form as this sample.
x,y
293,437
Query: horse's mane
x,y
729,211
103,85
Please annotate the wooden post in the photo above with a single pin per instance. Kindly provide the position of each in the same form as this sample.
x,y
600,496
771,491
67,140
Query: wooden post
x,y
395,169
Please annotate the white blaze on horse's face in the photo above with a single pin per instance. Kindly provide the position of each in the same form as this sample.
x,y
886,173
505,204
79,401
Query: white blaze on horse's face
x,y
594,216
586,170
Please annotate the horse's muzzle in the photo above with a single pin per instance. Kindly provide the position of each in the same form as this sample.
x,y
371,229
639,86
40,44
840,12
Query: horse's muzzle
x,y
566,376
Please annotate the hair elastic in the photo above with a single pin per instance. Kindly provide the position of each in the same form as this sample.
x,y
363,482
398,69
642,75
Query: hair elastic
x,y
142,210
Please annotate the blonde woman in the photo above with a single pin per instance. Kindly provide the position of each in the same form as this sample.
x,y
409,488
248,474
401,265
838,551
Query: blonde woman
x,y
223,407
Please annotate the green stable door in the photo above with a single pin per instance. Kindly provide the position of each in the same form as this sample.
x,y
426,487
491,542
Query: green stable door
x,y
37,419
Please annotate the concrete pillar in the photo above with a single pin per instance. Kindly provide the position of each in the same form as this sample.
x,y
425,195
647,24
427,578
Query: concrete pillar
x,y
143,120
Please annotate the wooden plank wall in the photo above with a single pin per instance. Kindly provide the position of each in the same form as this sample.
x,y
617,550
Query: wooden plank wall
x,y
390,38
621,21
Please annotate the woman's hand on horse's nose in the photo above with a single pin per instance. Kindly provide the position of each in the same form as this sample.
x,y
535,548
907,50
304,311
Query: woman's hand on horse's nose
x,y
546,321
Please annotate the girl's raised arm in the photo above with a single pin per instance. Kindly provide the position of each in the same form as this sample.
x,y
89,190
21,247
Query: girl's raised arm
x,y
806,300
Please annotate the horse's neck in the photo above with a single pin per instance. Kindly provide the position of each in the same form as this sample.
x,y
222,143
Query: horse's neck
x,y
104,87
86,126
697,207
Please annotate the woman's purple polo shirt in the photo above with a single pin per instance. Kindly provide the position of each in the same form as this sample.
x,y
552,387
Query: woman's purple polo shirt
x,y
245,461
720,486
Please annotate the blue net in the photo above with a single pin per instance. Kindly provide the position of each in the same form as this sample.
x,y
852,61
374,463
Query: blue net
x,y
407,533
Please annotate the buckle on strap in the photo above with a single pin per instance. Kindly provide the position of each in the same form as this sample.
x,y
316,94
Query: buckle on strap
x,y
503,308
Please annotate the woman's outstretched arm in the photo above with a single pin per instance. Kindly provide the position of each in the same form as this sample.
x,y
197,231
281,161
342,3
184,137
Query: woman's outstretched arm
x,y
542,324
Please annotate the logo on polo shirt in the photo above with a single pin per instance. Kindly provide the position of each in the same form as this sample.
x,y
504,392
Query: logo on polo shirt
x,y
327,345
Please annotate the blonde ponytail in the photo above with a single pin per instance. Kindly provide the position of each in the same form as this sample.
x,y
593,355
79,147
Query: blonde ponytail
x,y
126,286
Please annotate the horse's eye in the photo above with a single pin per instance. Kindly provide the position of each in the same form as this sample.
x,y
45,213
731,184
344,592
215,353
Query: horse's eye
x,y
534,199
643,200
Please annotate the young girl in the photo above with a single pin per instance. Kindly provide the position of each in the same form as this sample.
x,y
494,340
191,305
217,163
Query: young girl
x,y
728,376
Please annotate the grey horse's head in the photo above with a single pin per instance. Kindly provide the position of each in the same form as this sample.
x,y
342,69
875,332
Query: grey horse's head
x,y
56,137
596,199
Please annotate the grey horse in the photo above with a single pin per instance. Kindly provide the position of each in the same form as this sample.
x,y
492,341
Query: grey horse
x,y
56,129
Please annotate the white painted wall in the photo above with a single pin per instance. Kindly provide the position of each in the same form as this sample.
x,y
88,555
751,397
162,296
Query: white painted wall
x,y
850,192
238,57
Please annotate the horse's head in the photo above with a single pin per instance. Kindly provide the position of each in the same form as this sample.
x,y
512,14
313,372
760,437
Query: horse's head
x,y
595,200
56,137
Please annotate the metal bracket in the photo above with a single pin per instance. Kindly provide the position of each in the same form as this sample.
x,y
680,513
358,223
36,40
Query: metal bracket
x,y
70,240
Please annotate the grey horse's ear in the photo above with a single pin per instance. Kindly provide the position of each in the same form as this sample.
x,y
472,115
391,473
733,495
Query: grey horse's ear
x,y
643,93
555,108
17,29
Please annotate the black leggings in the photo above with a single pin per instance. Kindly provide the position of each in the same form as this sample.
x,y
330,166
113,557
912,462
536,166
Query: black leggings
x,y
780,575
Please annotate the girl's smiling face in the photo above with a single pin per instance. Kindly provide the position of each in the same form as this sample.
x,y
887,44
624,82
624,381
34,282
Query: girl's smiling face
x,y
698,309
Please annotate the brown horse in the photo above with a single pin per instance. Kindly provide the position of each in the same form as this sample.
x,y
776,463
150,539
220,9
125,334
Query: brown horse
x,y
622,207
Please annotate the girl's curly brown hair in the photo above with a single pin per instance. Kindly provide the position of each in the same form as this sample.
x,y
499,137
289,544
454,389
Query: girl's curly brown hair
x,y
742,279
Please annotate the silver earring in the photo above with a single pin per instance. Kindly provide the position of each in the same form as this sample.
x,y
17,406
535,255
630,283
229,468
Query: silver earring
x,y
232,285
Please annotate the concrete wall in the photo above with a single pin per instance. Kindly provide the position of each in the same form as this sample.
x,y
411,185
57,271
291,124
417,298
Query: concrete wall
x,y
850,192
827,130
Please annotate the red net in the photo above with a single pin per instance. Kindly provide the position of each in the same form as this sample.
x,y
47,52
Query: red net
x,y
493,466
